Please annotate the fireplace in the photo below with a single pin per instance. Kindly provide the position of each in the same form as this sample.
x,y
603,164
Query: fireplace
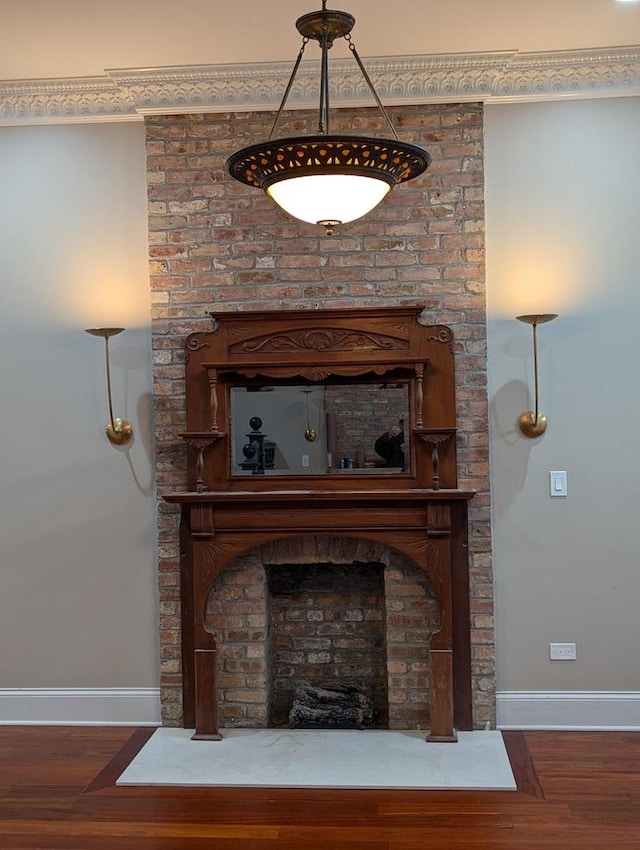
x,y
330,610
411,516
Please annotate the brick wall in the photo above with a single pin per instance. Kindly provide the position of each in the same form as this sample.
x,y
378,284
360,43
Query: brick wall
x,y
215,244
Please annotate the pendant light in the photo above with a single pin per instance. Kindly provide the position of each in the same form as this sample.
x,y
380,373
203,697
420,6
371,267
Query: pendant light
x,y
327,179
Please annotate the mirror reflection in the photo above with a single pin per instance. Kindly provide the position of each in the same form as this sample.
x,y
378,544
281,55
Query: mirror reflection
x,y
320,429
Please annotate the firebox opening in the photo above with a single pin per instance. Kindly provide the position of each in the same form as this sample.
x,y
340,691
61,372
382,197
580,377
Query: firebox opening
x,y
328,646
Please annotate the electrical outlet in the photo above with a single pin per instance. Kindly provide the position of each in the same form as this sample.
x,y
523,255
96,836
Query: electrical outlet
x,y
305,460
562,651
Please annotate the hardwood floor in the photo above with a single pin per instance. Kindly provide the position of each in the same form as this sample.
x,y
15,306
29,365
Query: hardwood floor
x,y
57,790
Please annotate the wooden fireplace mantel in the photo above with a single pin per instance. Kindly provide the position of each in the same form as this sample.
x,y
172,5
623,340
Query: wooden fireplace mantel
x,y
417,510
429,527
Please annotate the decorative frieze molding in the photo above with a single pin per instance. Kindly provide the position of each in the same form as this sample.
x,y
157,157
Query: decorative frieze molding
x,y
73,100
506,76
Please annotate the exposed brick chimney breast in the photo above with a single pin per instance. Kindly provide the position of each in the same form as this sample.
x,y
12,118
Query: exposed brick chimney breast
x,y
217,245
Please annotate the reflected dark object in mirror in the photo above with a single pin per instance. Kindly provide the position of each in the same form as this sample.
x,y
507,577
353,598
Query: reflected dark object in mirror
x,y
253,451
249,450
389,446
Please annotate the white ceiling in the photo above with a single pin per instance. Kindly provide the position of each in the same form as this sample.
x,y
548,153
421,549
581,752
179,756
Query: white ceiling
x,y
43,39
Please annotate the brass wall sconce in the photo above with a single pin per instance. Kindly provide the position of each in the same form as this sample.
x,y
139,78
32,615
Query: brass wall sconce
x,y
118,430
533,423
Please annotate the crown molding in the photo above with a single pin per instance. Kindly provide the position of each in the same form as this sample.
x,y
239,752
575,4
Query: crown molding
x,y
499,77
70,100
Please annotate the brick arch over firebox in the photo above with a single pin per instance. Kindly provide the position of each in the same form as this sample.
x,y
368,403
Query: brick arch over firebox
x,y
253,632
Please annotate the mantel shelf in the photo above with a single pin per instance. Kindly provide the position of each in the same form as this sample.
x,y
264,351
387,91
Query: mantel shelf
x,y
284,495
194,436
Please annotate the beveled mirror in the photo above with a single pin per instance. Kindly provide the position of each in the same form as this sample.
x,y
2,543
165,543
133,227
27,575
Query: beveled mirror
x,y
316,429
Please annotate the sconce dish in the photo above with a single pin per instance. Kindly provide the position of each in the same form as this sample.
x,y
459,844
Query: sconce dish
x,y
537,318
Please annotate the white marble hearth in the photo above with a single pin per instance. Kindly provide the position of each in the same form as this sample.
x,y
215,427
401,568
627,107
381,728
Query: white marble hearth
x,y
322,759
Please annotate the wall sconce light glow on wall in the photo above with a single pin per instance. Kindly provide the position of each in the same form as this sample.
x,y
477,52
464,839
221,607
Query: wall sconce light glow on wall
x,y
118,430
533,423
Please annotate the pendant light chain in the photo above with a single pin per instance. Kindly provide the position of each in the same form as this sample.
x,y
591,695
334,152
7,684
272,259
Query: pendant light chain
x,y
305,41
367,80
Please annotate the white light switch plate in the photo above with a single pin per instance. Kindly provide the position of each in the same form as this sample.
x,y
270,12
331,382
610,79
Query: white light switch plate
x,y
558,482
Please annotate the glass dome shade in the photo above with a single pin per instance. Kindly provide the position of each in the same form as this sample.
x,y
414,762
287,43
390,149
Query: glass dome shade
x,y
328,198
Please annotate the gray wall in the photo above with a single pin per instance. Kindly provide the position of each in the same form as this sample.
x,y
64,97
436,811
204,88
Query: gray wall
x,y
78,607
563,217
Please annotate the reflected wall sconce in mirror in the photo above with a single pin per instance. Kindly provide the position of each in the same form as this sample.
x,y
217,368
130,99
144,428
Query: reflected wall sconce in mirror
x,y
310,434
533,423
118,430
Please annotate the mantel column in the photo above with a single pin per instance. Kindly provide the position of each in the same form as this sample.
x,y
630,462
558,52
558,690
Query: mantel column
x,y
199,651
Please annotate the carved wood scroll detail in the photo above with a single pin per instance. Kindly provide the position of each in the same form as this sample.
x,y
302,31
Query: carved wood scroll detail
x,y
193,344
320,339
444,335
